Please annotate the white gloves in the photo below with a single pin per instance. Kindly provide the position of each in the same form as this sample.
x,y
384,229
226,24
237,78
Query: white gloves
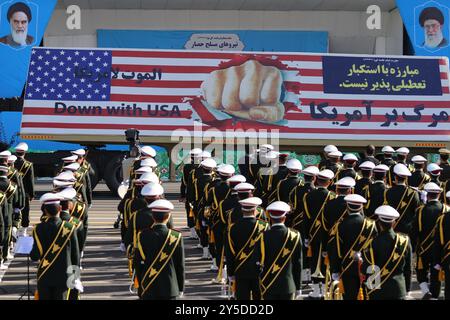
x,y
181,294
16,210
14,232
437,267
298,295
335,276
306,243
78,285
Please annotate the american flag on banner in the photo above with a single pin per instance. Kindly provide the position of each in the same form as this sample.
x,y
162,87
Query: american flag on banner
x,y
72,93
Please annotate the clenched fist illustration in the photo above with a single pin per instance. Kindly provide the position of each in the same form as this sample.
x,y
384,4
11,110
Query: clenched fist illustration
x,y
250,91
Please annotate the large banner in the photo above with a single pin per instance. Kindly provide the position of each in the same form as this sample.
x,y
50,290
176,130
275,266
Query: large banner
x,y
98,93
22,26
428,25
222,40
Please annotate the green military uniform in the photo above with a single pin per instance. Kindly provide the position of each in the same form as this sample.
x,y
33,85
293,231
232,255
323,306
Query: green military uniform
x,y
199,195
16,178
243,256
284,188
159,263
418,179
186,183
361,184
422,237
390,174
26,170
441,249
333,211
348,238
2,208
59,236
12,201
296,216
281,261
374,194
405,200
392,253
445,165
131,202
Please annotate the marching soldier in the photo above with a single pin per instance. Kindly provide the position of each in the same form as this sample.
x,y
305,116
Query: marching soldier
x,y
374,193
418,178
227,205
85,171
392,253
218,191
441,250
242,254
186,183
15,177
259,160
281,257
434,170
348,170
199,195
263,183
280,174
145,152
388,151
56,248
325,162
444,163
296,217
159,257
198,171
370,156
334,161
348,238
366,176
314,204
26,170
402,154
422,237
244,191
284,187
404,199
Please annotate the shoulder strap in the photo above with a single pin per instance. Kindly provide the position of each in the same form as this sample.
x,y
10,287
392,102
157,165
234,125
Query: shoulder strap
x,y
247,250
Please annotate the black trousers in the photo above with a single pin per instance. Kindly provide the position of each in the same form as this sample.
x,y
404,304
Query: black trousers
x,y
351,283
190,220
247,288
26,213
6,241
284,296
218,242
433,279
51,293
447,282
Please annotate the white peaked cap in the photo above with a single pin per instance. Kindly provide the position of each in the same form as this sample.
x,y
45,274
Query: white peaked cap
x,y
238,178
195,152
311,171
278,209
244,187
50,198
71,158
350,156
68,193
209,163
251,202
387,213
12,159
387,149
294,165
226,169
79,152
381,168
367,165
330,148
355,199
205,154
434,169
148,178
147,151
418,159
148,162
348,182
143,170
73,166
432,187
22,146
161,205
401,170
152,189
326,174
402,150
335,154
66,176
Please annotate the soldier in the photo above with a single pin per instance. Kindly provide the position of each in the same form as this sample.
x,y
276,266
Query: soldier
x,y
441,249
159,258
244,190
263,184
284,187
59,236
85,171
366,176
198,171
418,178
242,258
434,170
404,199
422,237
370,155
374,193
187,183
199,195
15,177
348,170
145,152
314,204
280,174
26,170
218,191
388,151
402,154
258,161
336,208
281,257
348,238
334,161
325,162
444,163
227,205
391,252
296,216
